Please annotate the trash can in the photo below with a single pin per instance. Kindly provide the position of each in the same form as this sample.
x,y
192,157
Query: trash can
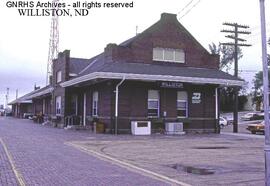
x,y
99,127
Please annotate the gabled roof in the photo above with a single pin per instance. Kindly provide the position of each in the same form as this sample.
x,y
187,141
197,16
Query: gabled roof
x,y
45,91
27,98
152,69
99,68
129,41
23,99
97,62
78,64
141,71
158,25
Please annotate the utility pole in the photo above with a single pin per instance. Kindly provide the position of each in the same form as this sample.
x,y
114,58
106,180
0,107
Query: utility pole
x,y
237,43
7,95
265,95
17,93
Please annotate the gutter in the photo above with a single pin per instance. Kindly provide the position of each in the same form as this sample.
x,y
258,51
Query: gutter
x,y
131,76
116,103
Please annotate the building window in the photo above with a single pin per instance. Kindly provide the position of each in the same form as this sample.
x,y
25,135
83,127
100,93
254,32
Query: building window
x,y
95,104
182,104
58,105
58,76
153,103
169,55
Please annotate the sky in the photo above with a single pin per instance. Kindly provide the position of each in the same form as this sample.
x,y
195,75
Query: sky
x,y
24,41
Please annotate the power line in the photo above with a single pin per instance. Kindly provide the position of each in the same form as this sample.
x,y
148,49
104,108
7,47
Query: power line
x,y
185,6
257,34
258,26
190,9
237,30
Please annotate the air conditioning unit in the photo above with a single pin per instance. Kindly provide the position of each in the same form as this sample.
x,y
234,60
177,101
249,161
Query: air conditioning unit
x,y
141,127
174,128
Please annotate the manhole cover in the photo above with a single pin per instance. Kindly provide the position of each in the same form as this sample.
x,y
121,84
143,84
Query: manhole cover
x,y
194,170
217,147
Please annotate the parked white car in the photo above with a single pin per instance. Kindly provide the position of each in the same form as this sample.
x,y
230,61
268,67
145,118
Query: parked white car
x,y
251,116
222,122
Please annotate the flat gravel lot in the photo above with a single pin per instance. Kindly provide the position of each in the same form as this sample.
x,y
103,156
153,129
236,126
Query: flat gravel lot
x,y
41,157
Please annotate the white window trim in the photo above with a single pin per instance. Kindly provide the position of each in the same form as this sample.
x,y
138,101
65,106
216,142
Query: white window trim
x,y
93,114
158,109
183,101
56,109
163,54
58,78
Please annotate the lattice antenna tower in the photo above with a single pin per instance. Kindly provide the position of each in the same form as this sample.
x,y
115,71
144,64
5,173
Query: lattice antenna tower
x,y
53,44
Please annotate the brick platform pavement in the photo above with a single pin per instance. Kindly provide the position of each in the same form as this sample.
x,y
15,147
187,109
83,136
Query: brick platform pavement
x,y
42,158
7,176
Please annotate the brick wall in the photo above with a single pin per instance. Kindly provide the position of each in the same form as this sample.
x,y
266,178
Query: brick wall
x,y
133,105
166,33
62,63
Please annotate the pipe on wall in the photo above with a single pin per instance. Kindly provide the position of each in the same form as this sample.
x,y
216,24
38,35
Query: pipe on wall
x,y
116,103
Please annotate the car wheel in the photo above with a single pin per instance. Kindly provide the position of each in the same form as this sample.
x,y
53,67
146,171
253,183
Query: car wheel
x,y
221,126
253,132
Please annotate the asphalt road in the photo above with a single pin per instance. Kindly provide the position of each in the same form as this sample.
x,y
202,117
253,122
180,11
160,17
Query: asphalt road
x,y
230,115
242,125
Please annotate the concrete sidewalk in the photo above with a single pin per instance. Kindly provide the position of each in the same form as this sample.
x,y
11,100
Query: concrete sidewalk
x,y
193,159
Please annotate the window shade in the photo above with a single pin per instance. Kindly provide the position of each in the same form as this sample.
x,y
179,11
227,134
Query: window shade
x,y
169,54
182,95
179,55
158,53
153,94
95,96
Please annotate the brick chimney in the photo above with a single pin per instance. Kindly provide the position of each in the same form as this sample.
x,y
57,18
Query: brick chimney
x,y
110,51
62,63
168,17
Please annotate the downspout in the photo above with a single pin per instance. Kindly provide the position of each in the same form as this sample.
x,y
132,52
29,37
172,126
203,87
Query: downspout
x,y
116,103
217,110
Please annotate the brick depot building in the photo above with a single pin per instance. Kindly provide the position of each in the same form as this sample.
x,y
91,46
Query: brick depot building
x,y
161,75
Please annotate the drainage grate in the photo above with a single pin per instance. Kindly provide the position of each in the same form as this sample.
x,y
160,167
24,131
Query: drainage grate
x,y
217,147
194,170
